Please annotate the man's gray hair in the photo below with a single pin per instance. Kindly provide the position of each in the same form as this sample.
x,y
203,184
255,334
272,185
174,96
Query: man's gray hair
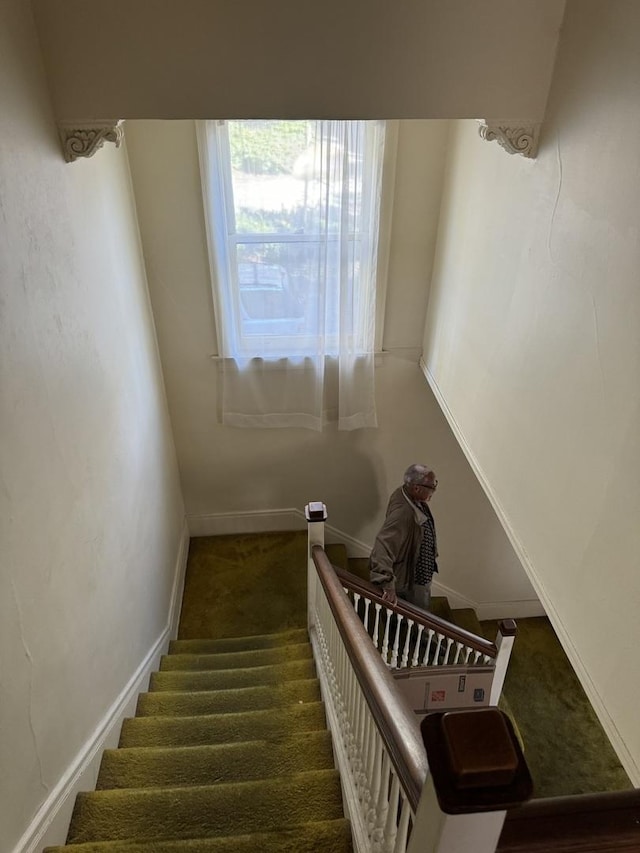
x,y
416,474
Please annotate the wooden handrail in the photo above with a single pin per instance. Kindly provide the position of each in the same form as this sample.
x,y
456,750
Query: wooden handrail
x,y
588,823
419,616
396,722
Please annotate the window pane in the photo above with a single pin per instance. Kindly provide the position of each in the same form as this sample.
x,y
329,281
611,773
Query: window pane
x,y
288,176
278,288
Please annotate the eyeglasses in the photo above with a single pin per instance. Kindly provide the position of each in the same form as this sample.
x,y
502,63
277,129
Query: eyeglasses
x,y
431,487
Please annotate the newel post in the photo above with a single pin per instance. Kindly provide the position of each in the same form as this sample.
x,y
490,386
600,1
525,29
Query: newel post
x,y
476,772
507,630
316,515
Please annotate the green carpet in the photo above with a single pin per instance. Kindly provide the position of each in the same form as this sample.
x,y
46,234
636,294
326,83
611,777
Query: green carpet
x,y
228,753
245,584
565,746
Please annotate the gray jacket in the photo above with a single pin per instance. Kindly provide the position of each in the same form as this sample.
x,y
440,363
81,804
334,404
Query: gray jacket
x,y
395,552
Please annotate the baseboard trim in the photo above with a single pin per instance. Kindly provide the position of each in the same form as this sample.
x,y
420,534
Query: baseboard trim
x,y
51,822
626,759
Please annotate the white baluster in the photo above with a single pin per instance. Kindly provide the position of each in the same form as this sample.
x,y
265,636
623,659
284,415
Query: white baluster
x,y
407,643
382,806
416,650
358,722
467,652
356,601
391,826
445,659
403,828
376,625
345,706
476,655
385,641
367,605
436,654
396,642
458,650
366,791
425,659
376,781
351,722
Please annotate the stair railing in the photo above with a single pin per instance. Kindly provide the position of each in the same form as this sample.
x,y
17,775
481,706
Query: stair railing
x,y
428,640
395,803
407,636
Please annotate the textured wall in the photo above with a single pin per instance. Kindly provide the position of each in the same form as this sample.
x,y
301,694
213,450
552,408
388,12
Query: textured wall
x,y
90,505
533,340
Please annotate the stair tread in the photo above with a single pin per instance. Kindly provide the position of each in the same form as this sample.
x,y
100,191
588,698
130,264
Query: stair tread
x,y
238,659
225,809
337,554
465,617
228,678
440,607
152,767
228,753
359,566
262,697
231,644
219,728
322,835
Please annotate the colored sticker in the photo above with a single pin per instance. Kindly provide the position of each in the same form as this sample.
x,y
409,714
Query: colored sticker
x,y
438,695
478,694
462,681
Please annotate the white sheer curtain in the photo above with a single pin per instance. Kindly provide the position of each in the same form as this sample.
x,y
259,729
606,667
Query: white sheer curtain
x,y
292,214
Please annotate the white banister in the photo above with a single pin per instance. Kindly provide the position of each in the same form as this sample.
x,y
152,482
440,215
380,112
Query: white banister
x,y
398,802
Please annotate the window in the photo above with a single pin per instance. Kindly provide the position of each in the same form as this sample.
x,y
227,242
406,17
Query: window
x,y
293,210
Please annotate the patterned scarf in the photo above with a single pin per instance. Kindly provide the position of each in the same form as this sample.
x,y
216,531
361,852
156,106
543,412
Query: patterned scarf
x,y
427,557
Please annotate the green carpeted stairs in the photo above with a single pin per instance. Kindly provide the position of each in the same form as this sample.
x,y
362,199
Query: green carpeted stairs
x,y
228,751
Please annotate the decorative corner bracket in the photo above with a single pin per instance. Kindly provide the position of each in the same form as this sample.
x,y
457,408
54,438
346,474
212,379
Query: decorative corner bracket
x,y
514,137
83,139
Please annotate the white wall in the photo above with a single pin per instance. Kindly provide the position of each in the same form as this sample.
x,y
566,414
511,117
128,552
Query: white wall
x,y
299,58
533,341
227,472
90,503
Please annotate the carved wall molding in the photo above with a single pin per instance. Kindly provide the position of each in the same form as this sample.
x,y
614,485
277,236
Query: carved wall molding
x,y
83,139
515,137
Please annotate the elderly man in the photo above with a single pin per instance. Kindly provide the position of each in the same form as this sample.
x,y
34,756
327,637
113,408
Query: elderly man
x,y
403,559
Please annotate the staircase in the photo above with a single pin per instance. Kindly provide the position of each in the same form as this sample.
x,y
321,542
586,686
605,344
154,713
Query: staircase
x,y
228,751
